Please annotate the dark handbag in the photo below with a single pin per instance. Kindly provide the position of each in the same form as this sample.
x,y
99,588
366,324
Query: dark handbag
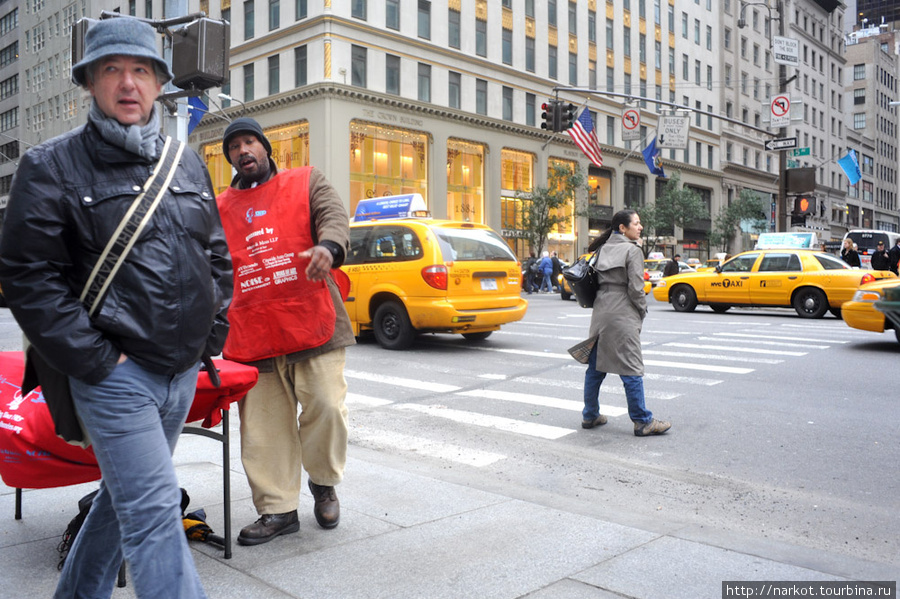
x,y
582,278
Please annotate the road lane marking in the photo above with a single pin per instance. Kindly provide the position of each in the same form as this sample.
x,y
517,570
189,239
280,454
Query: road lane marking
x,y
779,337
540,400
704,367
426,447
769,343
531,429
401,382
657,352
539,336
748,350
579,385
354,399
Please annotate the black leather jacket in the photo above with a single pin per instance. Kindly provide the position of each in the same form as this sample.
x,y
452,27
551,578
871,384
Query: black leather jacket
x,y
167,304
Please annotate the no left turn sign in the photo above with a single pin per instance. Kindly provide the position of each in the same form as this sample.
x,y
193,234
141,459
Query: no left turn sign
x,y
631,121
780,107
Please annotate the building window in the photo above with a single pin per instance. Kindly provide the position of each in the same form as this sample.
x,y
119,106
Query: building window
x,y
573,69
859,72
481,37
300,66
626,41
551,13
507,47
454,89
530,111
573,18
634,191
358,64
859,96
481,89
386,161
425,19
529,8
248,82
392,74
859,120
453,35
529,54
300,8
392,14
358,9
274,14
507,103
465,181
592,26
552,62
274,74
248,19
424,82
609,34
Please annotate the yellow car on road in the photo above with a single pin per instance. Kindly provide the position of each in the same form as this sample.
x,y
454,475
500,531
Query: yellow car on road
x,y
423,275
811,282
860,312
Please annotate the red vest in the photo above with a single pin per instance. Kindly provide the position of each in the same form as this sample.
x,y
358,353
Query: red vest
x,y
276,310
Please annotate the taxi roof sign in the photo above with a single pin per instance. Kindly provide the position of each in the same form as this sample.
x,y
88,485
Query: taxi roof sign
x,y
384,207
792,240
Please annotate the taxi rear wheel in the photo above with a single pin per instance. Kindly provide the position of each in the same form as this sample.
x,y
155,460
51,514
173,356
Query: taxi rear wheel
x,y
392,327
684,299
810,303
477,336
720,308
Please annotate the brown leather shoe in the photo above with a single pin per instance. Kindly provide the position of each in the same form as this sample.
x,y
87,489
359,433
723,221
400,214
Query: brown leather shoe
x,y
654,427
600,420
327,509
268,527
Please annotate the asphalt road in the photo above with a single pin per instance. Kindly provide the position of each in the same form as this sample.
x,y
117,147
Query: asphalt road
x,y
784,429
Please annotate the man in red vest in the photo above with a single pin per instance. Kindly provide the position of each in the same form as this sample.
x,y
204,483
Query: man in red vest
x,y
288,233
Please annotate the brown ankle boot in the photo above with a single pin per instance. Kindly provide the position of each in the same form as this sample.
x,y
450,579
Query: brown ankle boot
x,y
327,509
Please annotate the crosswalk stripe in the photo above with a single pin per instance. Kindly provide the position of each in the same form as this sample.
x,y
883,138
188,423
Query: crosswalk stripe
x,y
354,399
658,352
748,350
704,367
427,447
400,381
539,400
768,343
613,389
779,337
539,336
531,429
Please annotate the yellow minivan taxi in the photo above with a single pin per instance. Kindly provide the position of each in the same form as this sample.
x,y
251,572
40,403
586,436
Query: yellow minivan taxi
x,y
423,275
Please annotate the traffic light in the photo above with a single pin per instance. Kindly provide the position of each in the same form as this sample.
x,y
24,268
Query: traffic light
x,y
550,115
804,204
567,116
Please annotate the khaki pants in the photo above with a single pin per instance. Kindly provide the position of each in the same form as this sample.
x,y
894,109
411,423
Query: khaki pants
x,y
275,442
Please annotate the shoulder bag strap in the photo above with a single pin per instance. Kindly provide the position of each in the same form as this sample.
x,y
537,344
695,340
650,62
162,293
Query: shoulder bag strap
x,y
134,221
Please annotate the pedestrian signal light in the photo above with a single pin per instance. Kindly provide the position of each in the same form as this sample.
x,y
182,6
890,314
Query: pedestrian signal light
x,y
804,204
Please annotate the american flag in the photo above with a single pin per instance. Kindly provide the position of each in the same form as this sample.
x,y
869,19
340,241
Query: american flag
x,y
585,137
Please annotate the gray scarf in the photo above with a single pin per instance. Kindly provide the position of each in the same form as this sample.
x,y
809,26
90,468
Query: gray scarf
x,y
133,138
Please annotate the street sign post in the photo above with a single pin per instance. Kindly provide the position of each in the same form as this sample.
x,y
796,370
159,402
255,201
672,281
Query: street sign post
x,y
672,131
785,143
780,111
786,51
631,124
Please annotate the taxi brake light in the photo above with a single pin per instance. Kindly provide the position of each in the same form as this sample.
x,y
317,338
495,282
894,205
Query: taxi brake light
x,y
435,276
646,276
867,278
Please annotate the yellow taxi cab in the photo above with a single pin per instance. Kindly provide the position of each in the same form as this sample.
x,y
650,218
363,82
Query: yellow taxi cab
x,y
810,281
860,312
412,274
565,288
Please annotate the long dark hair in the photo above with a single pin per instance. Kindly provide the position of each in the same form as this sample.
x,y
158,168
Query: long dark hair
x,y
622,217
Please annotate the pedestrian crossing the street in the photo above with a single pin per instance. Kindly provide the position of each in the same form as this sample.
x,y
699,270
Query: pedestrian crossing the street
x,y
548,383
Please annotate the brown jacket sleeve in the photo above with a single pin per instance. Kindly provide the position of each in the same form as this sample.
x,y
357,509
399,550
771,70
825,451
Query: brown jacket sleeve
x,y
327,213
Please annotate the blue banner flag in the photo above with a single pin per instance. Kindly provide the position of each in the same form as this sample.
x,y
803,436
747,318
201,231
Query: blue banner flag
x,y
850,166
197,109
653,160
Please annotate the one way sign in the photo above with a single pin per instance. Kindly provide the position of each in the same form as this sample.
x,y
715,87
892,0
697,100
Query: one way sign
x,y
785,143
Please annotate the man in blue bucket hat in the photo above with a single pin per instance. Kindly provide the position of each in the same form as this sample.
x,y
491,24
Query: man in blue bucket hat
x,y
130,352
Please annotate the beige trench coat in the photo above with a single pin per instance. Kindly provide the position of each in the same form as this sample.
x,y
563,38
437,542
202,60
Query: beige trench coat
x,y
619,308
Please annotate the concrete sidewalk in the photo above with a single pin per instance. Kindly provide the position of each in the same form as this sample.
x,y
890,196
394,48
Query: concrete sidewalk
x,y
406,534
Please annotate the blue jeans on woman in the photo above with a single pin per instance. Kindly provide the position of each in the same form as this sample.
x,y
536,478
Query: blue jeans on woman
x,y
133,418
634,392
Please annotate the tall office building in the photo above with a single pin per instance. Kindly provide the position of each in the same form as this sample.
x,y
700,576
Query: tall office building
x,y
10,146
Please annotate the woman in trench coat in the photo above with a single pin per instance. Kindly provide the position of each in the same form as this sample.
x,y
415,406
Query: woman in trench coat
x,y
618,313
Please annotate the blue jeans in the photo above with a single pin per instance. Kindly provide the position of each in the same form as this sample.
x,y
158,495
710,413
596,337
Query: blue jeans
x,y
634,392
546,283
133,418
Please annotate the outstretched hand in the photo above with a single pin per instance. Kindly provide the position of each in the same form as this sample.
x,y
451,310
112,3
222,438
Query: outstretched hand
x,y
320,261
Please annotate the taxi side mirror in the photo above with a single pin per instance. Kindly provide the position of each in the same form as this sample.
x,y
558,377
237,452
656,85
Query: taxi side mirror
x,y
718,268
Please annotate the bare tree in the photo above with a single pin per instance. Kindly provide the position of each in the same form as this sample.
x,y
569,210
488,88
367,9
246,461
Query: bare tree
x,y
677,206
546,208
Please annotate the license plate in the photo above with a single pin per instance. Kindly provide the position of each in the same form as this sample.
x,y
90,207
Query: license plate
x,y
488,284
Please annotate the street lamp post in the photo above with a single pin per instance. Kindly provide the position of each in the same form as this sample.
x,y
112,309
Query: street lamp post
x,y
781,201
225,96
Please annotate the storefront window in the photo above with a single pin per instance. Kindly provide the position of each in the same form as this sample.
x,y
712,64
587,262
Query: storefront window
x,y
517,177
562,237
290,149
465,181
386,161
599,200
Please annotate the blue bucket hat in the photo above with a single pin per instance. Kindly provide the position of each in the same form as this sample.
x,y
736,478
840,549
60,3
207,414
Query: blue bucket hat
x,y
119,36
